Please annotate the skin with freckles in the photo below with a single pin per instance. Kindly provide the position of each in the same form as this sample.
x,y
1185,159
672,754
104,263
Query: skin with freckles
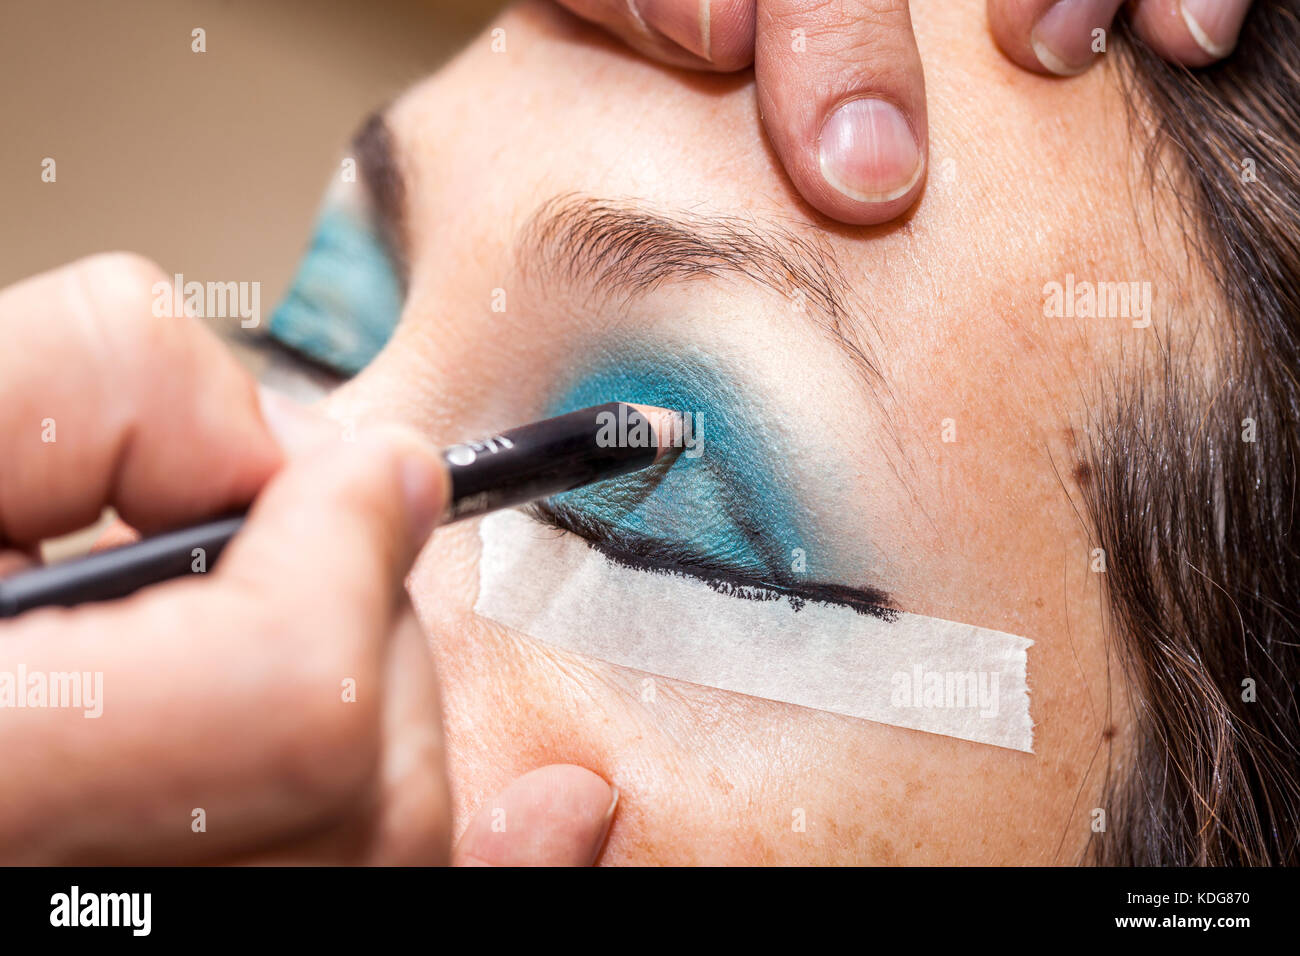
x,y
939,467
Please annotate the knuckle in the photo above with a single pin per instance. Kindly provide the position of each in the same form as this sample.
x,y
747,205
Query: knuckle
x,y
123,279
114,297
123,263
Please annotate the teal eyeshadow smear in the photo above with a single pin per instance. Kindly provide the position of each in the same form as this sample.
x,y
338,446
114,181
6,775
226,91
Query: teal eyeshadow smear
x,y
735,503
345,298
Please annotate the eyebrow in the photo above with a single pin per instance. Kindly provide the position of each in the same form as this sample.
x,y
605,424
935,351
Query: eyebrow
x,y
628,248
381,175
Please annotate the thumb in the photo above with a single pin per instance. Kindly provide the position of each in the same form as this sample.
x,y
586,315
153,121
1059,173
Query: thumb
x,y
553,816
842,96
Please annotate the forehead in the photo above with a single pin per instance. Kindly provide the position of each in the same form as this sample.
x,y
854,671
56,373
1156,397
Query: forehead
x,y
1030,182
563,109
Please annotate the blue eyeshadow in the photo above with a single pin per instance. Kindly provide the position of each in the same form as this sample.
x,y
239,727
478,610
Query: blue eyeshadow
x,y
346,297
735,503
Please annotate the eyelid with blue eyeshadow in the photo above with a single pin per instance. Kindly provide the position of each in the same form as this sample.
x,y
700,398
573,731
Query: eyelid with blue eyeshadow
x,y
730,516
346,297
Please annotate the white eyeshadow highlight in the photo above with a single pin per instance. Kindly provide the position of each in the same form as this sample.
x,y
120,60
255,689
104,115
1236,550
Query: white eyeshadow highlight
x,y
918,672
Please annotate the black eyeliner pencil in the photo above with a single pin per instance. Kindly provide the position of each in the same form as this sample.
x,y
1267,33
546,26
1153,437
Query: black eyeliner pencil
x,y
512,468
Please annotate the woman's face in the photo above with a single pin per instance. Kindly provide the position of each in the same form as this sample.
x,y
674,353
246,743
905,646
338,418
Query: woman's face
x,y
915,399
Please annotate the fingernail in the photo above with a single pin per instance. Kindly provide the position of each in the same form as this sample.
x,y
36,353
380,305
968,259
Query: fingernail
x,y
1214,24
293,426
603,835
868,152
1063,37
687,24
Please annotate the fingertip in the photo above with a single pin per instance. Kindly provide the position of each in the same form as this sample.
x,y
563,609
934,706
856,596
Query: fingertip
x,y
259,459
398,451
841,91
1215,25
1067,37
1194,33
1010,23
559,815
426,486
728,26
719,32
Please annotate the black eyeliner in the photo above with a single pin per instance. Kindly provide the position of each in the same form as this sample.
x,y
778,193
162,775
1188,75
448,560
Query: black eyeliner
x,y
643,553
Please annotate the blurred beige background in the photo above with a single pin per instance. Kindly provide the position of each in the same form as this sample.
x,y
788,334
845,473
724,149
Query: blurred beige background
x,y
210,163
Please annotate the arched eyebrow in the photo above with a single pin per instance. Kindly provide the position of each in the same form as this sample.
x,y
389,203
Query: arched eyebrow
x,y
627,248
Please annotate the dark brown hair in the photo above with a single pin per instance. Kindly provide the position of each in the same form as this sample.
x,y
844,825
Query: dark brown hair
x,y
1197,519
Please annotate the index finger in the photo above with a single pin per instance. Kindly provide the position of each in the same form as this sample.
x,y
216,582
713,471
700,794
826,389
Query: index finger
x,y
102,402
229,691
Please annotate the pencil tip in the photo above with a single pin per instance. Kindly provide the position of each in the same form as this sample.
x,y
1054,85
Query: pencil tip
x,y
668,428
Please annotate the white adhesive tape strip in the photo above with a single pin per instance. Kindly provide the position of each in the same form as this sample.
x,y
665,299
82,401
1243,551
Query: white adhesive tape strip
x,y
917,672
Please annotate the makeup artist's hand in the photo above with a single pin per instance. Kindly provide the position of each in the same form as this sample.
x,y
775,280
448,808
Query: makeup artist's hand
x,y
840,86
282,707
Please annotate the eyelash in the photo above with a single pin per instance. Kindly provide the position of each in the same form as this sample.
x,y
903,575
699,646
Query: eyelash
x,y
657,556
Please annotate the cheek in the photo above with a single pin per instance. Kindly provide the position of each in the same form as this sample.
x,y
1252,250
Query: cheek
x,y
691,763
706,776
